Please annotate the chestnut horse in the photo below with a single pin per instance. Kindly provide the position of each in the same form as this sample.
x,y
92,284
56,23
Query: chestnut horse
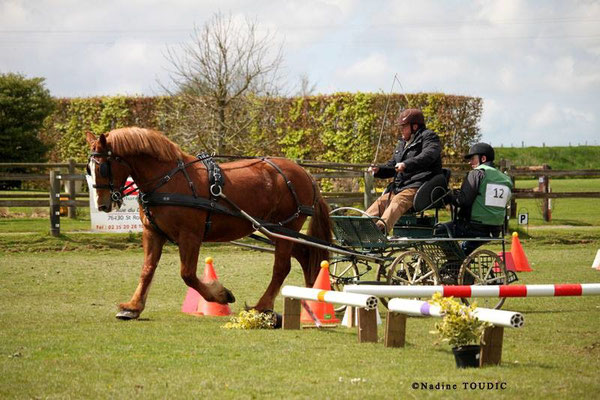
x,y
266,189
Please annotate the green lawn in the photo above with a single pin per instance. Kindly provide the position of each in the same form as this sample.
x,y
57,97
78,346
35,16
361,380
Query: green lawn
x,y
559,158
60,338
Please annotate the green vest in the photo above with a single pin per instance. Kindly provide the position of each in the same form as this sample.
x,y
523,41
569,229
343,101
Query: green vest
x,y
494,193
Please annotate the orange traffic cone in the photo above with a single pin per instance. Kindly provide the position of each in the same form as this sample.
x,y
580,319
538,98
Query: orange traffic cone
x,y
509,262
190,304
322,311
195,304
596,263
521,262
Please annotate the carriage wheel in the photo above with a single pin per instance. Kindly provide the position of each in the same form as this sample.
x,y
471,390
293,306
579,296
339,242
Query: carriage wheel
x,y
343,272
411,268
483,267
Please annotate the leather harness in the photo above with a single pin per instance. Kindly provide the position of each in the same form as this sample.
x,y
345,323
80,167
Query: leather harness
x,y
216,182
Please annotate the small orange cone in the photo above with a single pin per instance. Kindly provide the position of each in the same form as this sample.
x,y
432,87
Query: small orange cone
x,y
195,304
521,262
190,304
596,263
324,312
509,262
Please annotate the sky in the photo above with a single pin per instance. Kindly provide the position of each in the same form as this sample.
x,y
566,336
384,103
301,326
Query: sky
x,y
535,64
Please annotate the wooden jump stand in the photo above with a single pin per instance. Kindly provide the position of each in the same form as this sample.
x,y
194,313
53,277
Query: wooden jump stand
x,y
367,320
491,347
395,329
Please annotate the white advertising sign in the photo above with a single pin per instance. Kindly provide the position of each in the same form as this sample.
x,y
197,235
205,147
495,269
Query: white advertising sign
x,y
125,219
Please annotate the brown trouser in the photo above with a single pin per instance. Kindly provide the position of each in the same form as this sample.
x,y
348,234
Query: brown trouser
x,y
390,206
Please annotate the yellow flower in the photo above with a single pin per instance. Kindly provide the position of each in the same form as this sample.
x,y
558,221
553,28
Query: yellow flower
x,y
251,319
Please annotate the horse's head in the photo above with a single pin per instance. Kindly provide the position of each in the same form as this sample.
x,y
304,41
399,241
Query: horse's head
x,y
109,173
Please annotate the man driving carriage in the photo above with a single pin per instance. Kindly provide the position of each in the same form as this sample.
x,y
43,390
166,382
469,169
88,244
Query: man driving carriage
x,y
416,159
481,199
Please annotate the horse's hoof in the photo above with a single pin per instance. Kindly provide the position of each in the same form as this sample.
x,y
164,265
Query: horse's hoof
x,y
277,320
127,314
230,296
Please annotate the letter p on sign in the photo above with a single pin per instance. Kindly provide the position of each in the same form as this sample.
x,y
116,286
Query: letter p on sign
x,y
523,219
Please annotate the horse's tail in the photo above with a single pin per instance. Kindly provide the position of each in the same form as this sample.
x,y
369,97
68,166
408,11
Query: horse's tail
x,y
320,228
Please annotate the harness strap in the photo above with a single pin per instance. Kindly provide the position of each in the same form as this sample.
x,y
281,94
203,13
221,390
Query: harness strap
x,y
145,199
182,200
287,181
216,181
181,166
276,228
187,176
150,218
300,208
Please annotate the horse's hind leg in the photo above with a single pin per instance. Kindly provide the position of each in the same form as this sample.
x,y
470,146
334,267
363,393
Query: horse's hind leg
x,y
153,245
281,269
189,248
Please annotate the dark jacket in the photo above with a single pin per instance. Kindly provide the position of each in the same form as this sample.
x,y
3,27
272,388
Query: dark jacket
x,y
464,197
422,158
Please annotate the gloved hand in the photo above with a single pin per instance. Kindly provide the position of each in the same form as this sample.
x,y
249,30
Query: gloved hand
x,y
373,169
453,196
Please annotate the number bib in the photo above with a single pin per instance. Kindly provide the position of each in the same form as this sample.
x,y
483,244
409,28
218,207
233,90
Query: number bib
x,y
496,195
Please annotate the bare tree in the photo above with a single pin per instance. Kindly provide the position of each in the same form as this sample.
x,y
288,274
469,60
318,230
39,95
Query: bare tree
x,y
218,77
306,87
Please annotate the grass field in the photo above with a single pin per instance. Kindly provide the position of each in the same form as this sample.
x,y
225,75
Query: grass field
x,y
60,338
567,157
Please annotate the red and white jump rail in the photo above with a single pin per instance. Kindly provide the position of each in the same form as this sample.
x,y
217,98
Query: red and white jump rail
x,y
418,308
567,289
368,302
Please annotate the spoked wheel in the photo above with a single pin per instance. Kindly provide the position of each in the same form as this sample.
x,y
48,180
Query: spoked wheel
x,y
483,267
341,273
411,268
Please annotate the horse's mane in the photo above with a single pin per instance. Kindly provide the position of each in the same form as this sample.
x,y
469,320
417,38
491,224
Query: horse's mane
x,y
134,141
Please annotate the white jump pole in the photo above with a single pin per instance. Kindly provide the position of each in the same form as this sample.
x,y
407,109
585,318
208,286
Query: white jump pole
x,y
557,290
365,301
418,308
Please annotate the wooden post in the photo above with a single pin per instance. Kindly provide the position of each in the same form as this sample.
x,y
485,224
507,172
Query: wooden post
x,y
395,329
505,166
54,204
491,348
367,325
369,189
544,187
72,213
350,317
291,313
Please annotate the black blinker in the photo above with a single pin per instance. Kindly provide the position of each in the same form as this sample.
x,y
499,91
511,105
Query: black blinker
x,y
104,169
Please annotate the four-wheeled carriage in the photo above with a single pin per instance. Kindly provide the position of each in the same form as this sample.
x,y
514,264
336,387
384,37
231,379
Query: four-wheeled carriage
x,y
417,253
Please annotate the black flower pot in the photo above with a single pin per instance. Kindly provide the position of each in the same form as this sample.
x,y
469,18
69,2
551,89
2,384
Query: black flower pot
x,y
467,356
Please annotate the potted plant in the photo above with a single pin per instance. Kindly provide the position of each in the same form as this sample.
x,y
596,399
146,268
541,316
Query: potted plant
x,y
461,329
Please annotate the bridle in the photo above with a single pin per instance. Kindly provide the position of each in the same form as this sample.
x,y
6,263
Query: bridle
x,y
116,194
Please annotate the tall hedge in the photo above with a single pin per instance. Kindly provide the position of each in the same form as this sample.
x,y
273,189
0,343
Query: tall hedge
x,y
343,127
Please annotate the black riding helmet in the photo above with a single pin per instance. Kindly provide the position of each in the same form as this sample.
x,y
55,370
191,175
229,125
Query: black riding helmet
x,y
482,149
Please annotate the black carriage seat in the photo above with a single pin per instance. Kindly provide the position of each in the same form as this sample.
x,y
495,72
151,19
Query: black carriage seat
x,y
429,196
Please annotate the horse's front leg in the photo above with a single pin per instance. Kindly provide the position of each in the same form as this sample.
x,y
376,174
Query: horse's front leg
x,y
153,244
189,248
281,269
